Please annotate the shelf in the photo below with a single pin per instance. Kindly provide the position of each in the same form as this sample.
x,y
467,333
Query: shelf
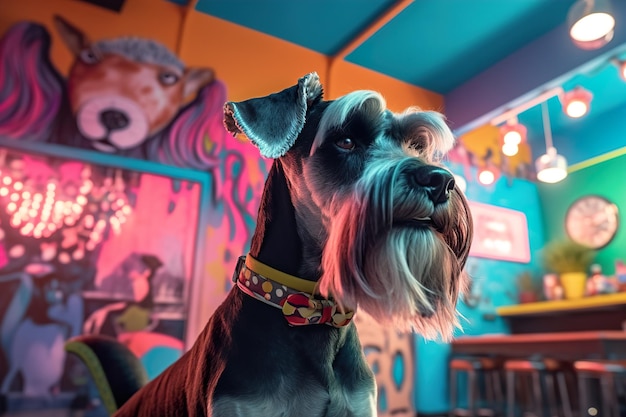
x,y
542,307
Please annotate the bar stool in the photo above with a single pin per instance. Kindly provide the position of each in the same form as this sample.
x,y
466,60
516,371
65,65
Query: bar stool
x,y
540,372
607,372
476,368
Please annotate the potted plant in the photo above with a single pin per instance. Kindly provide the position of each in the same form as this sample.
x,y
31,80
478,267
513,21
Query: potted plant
x,y
527,288
571,261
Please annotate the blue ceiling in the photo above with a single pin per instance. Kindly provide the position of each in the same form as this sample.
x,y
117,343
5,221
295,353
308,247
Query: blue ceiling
x,y
483,56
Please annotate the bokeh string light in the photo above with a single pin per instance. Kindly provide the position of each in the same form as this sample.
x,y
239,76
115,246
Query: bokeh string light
x,y
40,207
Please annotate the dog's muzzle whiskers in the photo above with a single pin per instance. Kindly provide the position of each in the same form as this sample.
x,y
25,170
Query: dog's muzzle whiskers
x,y
394,248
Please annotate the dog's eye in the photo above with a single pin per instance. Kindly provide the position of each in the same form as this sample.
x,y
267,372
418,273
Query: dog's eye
x,y
345,143
168,78
88,56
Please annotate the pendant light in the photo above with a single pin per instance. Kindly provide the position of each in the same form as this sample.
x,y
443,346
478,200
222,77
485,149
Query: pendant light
x,y
551,167
591,23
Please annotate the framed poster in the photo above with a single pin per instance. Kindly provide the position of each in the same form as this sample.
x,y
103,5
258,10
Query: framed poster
x,y
499,233
92,243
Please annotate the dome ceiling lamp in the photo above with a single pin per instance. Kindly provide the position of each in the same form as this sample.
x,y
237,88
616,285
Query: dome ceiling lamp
x,y
551,167
591,23
489,172
576,103
512,134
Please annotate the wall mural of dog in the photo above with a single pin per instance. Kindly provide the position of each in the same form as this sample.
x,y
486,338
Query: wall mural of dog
x,y
124,91
357,215
128,96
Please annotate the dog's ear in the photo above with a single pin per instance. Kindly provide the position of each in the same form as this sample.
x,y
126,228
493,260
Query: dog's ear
x,y
274,122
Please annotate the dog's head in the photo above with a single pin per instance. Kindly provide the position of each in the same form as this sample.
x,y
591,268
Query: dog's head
x,y
377,216
124,90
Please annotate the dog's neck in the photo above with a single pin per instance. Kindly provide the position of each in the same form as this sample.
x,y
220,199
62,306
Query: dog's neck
x,y
276,241
295,297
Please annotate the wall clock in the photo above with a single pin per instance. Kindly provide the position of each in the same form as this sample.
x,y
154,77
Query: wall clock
x,y
592,221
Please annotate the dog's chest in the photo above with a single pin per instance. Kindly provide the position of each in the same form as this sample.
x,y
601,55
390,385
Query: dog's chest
x,y
287,402
296,400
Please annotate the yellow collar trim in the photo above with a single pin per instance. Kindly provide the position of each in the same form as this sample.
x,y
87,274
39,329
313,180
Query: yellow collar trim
x,y
298,284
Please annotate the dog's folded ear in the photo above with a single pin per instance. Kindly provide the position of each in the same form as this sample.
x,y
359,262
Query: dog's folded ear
x,y
274,122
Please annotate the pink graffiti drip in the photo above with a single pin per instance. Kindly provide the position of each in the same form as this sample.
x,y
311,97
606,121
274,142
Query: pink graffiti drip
x,y
30,91
198,137
199,123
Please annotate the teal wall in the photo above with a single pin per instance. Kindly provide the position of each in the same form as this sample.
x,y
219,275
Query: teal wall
x,y
494,284
607,179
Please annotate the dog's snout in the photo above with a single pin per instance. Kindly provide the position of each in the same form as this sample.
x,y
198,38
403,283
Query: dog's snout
x,y
114,119
437,182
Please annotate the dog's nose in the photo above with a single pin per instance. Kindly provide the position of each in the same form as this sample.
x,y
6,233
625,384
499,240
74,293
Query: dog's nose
x,y
114,119
438,182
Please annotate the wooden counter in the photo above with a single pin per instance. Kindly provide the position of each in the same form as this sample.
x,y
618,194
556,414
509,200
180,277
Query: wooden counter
x,y
567,346
600,312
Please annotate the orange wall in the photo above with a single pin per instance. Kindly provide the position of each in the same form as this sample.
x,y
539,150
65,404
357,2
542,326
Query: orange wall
x,y
346,77
249,62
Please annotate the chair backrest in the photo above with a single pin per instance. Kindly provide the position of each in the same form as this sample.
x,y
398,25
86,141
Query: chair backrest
x,y
116,371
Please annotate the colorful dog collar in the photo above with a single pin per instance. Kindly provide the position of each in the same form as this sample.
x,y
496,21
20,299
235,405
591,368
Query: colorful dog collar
x,y
293,295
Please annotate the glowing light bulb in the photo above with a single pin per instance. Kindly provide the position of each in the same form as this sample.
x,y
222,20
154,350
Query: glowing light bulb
x,y
576,108
486,177
510,149
512,137
592,27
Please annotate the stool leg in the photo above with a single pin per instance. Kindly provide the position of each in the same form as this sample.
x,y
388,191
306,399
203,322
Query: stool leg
x,y
563,392
453,383
615,398
510,393
498,392
582,395
490,393
609,406
537,395
551,393
471,392
489,390
620,387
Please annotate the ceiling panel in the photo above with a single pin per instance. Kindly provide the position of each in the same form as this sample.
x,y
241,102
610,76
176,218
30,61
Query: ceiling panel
x,y
323,26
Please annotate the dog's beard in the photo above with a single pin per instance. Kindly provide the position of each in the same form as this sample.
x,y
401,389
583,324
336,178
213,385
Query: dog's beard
x,y
402,271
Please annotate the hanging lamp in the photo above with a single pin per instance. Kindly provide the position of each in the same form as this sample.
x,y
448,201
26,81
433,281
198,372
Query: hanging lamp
x,y
551,167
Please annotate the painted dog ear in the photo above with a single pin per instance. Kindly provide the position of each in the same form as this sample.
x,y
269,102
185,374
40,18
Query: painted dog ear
x,y
73,37
273,123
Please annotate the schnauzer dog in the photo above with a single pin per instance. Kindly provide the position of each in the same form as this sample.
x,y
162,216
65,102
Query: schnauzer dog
x,y
357,212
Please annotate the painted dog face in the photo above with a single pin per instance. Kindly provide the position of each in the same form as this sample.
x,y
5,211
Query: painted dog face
x,y
393,229
124,90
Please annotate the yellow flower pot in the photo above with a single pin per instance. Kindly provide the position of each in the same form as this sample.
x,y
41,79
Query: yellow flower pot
x,y
574,284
